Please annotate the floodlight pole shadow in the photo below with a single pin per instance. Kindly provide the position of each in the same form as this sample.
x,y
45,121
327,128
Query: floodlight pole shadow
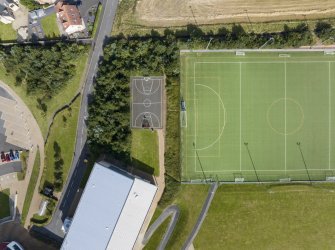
x,y
203,172
252,162
303,160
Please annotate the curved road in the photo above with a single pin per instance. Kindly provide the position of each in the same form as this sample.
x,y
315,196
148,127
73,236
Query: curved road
x,y
53,229
173,211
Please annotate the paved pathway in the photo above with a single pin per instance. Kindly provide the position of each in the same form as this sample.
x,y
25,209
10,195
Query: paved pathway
x,y
188,244
173,211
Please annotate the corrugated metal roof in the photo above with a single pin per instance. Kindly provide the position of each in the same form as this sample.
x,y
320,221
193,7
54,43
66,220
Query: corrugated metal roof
x,y
99,209
111,211
133,214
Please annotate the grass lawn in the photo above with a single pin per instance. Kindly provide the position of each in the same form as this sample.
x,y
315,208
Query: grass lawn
x,y
4,203
144,151
63,133
190,200
97,19
7,33
63,97
31,188
270,217
49,25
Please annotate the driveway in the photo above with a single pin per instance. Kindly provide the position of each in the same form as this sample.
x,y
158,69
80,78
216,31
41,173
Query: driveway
x,y
14,231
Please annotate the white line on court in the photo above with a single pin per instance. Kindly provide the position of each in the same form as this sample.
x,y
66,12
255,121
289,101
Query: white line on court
x,y
274,62
329,114
240,116
285,118
195,121
263,170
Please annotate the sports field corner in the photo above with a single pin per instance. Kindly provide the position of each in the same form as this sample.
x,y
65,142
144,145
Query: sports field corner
x,y
258,115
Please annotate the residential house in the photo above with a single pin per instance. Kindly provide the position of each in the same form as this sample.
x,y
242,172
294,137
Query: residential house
x,y
7,7
69,17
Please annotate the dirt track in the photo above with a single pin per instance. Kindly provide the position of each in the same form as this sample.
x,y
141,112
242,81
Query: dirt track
x,y
157,13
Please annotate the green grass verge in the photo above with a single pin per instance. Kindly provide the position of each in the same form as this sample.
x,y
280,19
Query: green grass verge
x,y
7,33
49,25
4,203
63,133
269,217
63,97
31,188
190,200
97,20
157,236
23,157
144,151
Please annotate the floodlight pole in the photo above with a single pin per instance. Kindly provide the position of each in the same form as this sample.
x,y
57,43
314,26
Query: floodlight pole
x,y
203,172
252,162
303,159
266,43
209,43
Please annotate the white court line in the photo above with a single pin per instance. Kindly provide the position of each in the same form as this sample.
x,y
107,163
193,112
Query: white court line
x,y
272,170
142,103
329,114
219,83
195,121
285,118
262,62
240,116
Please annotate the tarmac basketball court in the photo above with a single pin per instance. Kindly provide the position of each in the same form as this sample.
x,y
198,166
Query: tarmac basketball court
x,y
146,103
258,115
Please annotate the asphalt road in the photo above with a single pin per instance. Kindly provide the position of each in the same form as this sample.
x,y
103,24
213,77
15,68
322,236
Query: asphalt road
x,y
78,167
173,211
201,217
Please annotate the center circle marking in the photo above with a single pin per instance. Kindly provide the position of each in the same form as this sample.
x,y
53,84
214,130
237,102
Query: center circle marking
x,y
147,103
295,122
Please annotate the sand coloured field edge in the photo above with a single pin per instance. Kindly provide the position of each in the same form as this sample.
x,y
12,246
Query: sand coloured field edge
x,y
167,13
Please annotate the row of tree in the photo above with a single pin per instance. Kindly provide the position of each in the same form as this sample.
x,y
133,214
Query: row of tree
x,y
42,69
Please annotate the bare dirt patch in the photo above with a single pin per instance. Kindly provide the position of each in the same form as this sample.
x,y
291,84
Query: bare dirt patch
x,y
157,13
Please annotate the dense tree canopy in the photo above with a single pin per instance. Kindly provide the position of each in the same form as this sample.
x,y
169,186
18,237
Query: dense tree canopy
x,y
109,122
43,69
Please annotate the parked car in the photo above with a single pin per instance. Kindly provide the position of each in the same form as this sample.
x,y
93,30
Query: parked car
x,y
3,157
183,105
13,245
48,191
11,155
17,155
66,225
7,157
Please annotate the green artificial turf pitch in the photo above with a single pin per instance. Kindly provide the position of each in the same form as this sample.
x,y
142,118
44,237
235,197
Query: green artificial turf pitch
x,y
263,116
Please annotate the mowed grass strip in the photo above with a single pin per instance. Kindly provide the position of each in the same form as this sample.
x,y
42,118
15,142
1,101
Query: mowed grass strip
x,y
144,150
31,188
49,25
7,33
63,133
270,217
190,200
4,203
57,101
